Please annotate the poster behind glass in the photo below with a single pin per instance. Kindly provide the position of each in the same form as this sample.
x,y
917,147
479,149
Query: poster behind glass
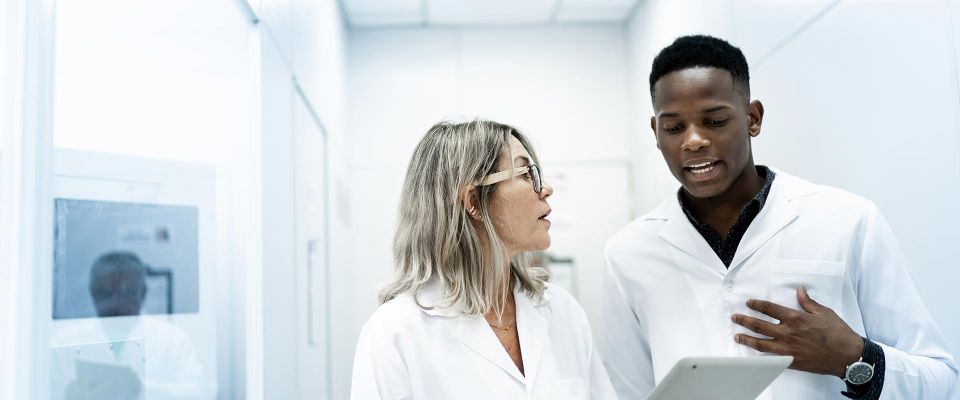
x,y
117,259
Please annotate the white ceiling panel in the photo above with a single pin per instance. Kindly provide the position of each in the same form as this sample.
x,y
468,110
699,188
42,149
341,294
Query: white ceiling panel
x,y
489,12
383,6
588,4
594,10
608,14
372,13
371,19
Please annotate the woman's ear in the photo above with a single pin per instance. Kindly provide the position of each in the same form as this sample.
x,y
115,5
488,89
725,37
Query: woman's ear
x,y
468,196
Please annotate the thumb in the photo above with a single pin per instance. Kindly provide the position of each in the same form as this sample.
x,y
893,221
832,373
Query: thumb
x,y
808,304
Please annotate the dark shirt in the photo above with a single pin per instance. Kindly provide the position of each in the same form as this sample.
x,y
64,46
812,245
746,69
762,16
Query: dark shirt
x,y
727,248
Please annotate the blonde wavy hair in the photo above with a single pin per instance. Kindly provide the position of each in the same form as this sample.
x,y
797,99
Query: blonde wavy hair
x,y
435,239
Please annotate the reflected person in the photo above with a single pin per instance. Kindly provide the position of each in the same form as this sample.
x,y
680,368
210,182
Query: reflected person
x,y
464,315
118,284
173,369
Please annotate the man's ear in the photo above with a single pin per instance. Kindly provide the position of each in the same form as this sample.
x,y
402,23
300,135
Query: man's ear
x,y
653,127
755,113
468,196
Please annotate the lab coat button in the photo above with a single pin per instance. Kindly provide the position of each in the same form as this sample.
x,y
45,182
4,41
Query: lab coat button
x,y
728,286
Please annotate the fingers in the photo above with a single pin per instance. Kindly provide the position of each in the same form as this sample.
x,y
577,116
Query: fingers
x,y
774,310
761,345
806,302
757,325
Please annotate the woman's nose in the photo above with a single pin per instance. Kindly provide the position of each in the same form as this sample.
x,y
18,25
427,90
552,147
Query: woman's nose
x,y
546,191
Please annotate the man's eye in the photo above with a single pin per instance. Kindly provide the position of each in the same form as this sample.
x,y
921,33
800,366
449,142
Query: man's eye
x,y
527,176
716,122
672,129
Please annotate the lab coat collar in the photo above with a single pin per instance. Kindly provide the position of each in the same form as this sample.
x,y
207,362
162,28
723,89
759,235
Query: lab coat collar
x,y
532,327
475,333
430,298
776,214
432,293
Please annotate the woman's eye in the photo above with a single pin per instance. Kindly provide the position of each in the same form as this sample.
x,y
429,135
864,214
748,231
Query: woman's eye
x,y
527,176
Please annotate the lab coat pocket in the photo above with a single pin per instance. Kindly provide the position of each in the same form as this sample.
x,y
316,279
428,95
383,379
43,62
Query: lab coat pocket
x,y
570,389
822,279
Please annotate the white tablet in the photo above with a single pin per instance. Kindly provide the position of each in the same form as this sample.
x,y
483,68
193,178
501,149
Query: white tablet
x,y
720,378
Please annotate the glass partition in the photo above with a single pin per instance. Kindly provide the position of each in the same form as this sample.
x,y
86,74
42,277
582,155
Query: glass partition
x,y
154,129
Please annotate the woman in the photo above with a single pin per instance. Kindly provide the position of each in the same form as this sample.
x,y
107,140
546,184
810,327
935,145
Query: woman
x,y
464,316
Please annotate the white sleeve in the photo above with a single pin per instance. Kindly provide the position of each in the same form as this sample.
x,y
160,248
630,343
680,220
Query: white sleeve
x,y
379,371
919,364
599,381
626,347
600,386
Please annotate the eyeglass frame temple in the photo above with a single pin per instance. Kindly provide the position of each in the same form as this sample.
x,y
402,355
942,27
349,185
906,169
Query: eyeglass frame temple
x,y
501,176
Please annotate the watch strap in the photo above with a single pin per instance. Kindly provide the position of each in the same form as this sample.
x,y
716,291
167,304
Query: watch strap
x,y
873,355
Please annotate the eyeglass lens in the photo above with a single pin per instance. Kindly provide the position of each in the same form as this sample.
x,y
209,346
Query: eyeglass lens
x,y
535,174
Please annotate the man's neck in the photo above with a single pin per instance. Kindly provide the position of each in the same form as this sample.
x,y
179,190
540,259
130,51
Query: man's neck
x,y
721,212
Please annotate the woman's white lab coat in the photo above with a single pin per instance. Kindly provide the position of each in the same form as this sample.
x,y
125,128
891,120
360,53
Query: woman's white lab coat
x,y
670,296
406,352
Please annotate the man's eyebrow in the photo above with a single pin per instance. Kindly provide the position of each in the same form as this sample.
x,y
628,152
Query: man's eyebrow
x,y
706,111
713,109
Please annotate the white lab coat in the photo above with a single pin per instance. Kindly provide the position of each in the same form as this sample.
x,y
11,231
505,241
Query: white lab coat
x,y
669,296
172,367
406,352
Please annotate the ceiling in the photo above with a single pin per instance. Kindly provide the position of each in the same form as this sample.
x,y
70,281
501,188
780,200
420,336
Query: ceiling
x,y
376,13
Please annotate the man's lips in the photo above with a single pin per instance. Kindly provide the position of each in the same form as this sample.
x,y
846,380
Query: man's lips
x,y
702,170
700,165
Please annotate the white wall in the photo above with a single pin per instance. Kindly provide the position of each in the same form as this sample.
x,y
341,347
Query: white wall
x,y
563,86
654,25
860,95
304,45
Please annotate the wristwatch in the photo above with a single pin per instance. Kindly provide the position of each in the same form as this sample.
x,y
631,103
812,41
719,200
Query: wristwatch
x,y
859,373
864,378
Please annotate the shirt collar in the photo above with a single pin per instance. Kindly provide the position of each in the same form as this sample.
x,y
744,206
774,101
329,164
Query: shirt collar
x,y
760,199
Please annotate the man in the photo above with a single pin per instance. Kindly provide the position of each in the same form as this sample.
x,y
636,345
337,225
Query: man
x,y
172,367
118,284
746,259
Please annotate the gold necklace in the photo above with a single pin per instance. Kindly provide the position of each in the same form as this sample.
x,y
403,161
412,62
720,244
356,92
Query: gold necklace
x,y
503,329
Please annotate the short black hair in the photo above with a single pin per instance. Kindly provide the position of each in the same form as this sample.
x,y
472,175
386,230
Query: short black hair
x,y
702,51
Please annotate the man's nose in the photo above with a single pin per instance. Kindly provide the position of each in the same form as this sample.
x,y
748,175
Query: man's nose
x,y
694,140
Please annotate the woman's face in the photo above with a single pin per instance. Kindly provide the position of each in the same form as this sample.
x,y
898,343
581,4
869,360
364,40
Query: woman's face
x,y
519,213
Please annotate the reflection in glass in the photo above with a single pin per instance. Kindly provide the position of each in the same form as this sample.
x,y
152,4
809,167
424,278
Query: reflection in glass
x,y
118,284
109,370
117,259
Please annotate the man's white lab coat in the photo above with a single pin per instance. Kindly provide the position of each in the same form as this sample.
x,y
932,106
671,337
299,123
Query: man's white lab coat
x,y
668,295
406,352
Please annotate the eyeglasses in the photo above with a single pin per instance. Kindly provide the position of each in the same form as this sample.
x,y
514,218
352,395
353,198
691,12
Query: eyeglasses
x,y
532,170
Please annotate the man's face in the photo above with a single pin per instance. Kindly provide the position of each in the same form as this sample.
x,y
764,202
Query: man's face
x,y
117,293
703,127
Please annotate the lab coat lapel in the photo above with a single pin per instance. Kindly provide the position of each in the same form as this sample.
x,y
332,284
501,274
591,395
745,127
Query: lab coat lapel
x,y
680,233
532,328
775,215
477,335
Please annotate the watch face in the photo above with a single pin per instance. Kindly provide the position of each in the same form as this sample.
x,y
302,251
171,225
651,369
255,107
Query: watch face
x,y
859,373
